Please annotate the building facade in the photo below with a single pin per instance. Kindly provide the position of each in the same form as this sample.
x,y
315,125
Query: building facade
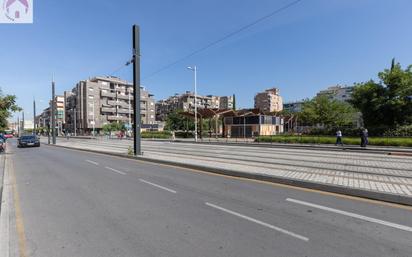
x,y
186,102
269,101
252,126
293,107
226,102
339,93
98,101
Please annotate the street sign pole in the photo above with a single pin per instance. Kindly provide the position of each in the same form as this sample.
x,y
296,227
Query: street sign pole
x,y
34,117
53,114
136,91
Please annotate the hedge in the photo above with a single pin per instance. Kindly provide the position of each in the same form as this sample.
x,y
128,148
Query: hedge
x,y
156,134
381,141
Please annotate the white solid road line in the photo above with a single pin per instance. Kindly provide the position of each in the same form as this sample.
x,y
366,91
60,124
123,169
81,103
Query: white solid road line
x,y
259,222
117,171
353,215
158,186
92,162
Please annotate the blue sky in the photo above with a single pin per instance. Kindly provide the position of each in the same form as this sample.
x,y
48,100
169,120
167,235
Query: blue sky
x,y
310,46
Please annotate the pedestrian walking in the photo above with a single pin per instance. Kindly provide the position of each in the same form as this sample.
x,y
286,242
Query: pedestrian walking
x,y
364,137
339,138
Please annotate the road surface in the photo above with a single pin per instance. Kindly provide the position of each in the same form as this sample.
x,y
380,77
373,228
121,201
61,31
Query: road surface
x,y
72,203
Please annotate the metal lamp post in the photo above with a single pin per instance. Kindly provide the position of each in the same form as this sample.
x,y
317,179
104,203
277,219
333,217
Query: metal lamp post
x,y
130,113
194,69
94,122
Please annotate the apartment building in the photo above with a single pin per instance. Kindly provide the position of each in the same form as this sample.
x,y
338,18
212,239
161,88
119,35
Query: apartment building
x,y
226,102
269,101
186,102
293,107
98,101
44,119
340,93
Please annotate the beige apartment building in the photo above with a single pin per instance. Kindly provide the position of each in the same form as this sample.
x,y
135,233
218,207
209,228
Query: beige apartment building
x,y
339,93
186,102
269,101
102,100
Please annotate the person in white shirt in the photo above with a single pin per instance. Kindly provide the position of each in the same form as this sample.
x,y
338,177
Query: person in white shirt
x,y
339,138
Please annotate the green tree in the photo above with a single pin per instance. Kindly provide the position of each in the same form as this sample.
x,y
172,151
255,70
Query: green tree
x,y
176,121
7,107
328,113
110,127
386,104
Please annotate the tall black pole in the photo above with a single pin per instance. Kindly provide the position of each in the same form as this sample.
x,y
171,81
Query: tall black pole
x,y
34,117
23,121
136,90
53,114
18,126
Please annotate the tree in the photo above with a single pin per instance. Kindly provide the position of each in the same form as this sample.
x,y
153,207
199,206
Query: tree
x,y
328,113
7,107
110,127
176,121
386,104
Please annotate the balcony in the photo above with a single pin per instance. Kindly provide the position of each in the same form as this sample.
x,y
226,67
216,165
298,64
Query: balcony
x,y
111,110
125,97
119,103
117,118
124,111
108,94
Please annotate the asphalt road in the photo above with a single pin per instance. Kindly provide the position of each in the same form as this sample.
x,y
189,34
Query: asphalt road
x,y
82,204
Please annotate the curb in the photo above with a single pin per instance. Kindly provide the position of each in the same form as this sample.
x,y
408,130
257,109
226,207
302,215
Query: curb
x,y
350,148
400,154
2,173
4,212
386,197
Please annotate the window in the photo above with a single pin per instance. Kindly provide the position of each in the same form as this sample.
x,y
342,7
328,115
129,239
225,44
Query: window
x,y
91,89
91,97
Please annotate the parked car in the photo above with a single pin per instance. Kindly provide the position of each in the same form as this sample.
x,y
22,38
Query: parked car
x,y
29,140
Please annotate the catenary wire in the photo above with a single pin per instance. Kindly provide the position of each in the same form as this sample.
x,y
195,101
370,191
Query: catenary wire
x,y
287,6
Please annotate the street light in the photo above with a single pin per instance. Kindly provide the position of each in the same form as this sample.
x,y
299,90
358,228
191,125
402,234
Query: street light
x,y
93,120
194,69
130,113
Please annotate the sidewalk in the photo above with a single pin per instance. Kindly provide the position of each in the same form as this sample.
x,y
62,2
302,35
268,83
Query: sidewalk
x,y
250,142
371,175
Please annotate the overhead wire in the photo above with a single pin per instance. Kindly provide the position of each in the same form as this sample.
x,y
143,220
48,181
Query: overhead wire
x,y
231,34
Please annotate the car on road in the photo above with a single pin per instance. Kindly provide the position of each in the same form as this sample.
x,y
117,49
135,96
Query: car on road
x,y
29,140
8,134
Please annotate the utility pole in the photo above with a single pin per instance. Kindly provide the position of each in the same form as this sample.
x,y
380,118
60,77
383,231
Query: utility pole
x,y
136,91
18,126
53,114
75,125
48,133
34,117
94,120
194,69
130,113
23,121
